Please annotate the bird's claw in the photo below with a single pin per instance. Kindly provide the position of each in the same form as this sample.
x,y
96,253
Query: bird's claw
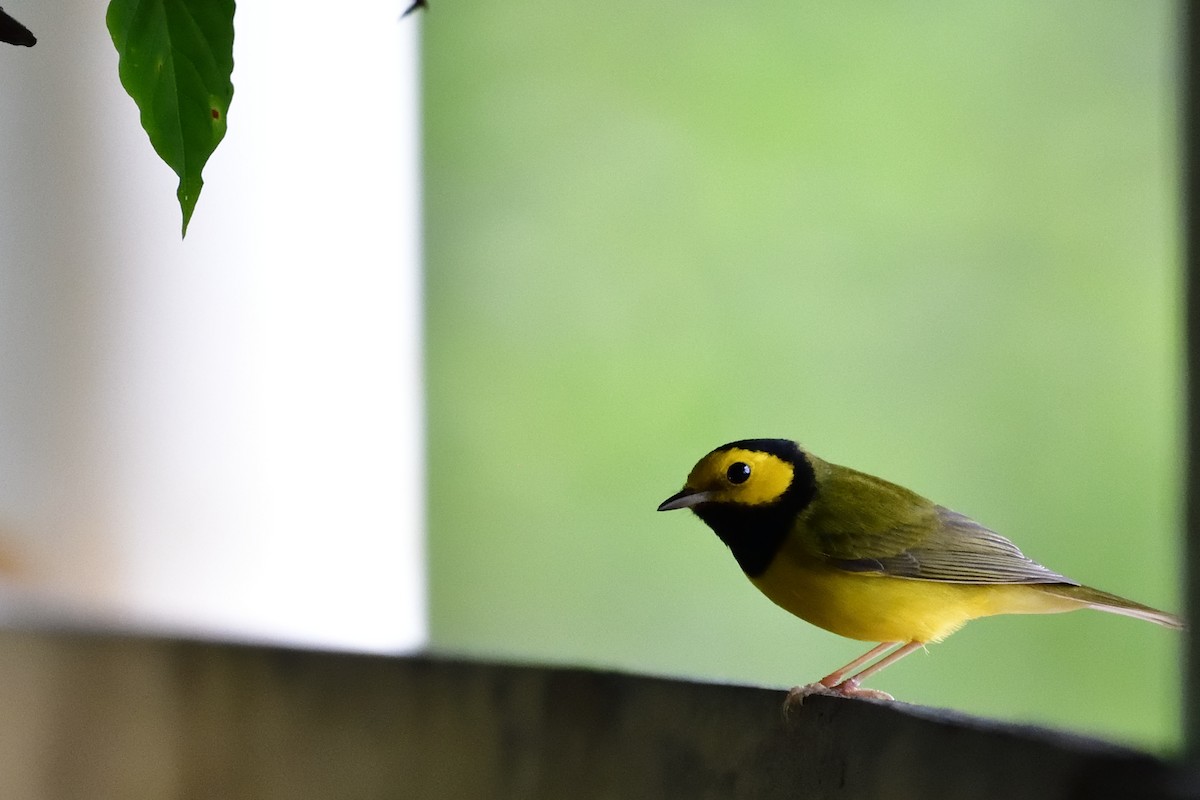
x,y
848,688
798,694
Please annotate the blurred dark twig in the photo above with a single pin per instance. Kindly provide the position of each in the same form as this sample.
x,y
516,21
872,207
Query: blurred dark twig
x,y
14,32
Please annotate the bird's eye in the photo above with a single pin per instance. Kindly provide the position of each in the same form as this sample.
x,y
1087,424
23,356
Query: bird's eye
x,y
738,472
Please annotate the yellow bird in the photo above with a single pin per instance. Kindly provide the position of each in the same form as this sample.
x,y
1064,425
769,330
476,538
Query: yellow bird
x,y
867,559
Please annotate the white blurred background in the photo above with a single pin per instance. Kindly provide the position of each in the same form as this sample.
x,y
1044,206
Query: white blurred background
x,y
219,436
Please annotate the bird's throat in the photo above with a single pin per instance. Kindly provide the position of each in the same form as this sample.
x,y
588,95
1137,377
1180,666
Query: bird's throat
x,y
753,535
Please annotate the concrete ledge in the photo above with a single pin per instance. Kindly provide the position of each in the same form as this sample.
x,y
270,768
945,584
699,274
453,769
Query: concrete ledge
x,y
95,716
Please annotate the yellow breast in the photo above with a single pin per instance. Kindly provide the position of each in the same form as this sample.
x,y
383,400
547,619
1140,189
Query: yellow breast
x,y
877,608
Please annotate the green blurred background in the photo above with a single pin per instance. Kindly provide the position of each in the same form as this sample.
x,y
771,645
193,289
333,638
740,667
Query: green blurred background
x,y
935,241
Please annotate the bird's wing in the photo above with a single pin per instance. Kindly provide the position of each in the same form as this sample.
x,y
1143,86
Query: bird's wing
x,y
895,532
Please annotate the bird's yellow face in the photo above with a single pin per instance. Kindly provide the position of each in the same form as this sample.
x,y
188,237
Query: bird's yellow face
x,y
735,475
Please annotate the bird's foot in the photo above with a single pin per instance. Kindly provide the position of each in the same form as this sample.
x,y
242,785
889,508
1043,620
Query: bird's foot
x,y
798,694
850,688
847,688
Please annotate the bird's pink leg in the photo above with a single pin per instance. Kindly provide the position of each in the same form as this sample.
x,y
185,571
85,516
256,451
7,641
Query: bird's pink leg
x,y
850,685
836,677
838,683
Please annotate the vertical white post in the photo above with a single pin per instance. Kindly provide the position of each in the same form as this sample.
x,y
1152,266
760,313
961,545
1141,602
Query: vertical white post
x,y
221,435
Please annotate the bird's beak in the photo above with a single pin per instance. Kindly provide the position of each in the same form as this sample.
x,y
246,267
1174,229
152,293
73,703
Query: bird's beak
x,y
685,498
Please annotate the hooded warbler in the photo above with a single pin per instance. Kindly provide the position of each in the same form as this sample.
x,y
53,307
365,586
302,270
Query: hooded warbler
x,y
867,559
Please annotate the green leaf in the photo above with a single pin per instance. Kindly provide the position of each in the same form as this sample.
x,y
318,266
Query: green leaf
x,y
176,58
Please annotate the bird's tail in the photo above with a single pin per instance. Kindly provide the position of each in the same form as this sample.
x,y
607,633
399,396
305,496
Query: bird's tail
x,y
1103,601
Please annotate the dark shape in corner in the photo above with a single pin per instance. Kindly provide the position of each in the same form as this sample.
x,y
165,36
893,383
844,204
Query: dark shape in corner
x,y
413,7
14,32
